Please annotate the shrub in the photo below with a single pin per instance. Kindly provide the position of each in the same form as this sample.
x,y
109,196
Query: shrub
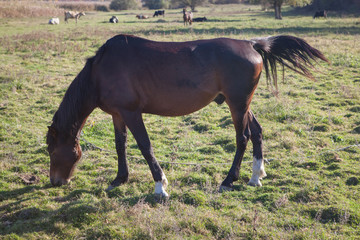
x,y
123,4
101,8
77,6
156,4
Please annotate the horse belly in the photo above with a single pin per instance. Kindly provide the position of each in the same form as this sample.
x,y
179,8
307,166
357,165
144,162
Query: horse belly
x,y
178,103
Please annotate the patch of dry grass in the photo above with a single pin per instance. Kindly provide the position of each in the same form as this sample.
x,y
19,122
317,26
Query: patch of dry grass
x,y
20,9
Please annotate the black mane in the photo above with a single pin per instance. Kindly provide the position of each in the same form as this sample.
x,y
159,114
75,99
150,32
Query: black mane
x,y
80,93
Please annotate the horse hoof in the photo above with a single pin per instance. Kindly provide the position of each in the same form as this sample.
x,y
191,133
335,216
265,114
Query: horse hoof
x,y
162,196
111,187
255,184
225,189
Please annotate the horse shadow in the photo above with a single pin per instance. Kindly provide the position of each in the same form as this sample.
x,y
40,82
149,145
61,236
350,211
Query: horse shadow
x,y
27,215
33,217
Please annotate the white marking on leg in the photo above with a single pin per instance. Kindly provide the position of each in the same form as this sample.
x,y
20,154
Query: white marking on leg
x,y
258,172
160,187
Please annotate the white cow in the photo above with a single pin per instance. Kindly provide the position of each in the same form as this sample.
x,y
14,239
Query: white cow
x,y
73,14
54,21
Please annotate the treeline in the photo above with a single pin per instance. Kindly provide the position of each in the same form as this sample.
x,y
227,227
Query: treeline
x,y
335,5
42,8
267,4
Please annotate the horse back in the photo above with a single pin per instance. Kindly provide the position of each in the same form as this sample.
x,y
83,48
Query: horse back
x,y
169,78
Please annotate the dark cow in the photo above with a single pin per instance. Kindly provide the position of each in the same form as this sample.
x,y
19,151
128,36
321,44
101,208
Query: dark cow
x,y
114,19
159,13
203,19
322,13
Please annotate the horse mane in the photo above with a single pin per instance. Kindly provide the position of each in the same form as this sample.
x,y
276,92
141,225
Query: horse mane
x,y
79,97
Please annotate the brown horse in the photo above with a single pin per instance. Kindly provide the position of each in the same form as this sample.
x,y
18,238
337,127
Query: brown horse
x,y
129,76
188,17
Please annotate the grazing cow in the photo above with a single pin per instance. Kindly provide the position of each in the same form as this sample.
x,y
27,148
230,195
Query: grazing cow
x,y
188,17
142,16
114,19
322,13
72,14
159,13
54,21
203,19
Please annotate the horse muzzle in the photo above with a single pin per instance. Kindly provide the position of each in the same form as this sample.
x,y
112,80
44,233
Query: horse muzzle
x,y
56,182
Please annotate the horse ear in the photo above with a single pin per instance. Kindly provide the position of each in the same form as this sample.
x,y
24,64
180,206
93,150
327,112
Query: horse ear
x,y
52,131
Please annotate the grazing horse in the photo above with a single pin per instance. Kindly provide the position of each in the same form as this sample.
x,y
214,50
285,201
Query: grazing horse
x,y
72,14
188,16
159,13
322,13
130,76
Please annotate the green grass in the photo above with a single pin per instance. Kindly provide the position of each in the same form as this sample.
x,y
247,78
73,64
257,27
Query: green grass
x,y
312,188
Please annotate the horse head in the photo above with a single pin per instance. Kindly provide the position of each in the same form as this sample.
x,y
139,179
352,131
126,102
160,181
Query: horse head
x,y
64,153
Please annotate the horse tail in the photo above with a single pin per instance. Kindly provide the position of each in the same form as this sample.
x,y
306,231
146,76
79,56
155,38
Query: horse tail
x,y
292,52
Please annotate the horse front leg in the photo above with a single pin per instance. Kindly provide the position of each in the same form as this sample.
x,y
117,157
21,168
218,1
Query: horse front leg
x,y
258,160
240,120
134,121
120,143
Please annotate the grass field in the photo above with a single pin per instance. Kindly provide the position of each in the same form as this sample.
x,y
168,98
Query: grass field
x,y
311,134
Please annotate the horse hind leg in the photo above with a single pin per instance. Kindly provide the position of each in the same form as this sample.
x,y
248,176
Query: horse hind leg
x,y
240,119
134,122
120,143
258,160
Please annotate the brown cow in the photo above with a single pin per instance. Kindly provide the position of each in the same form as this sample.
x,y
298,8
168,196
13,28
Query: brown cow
x,y
141,16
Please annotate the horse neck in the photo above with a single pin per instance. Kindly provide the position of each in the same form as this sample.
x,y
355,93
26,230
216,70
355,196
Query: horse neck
x,y
79,101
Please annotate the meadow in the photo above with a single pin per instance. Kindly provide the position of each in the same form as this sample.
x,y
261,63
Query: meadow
x,y
311,138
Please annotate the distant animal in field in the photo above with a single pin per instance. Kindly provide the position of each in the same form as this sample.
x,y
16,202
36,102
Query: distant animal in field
x,y
187,16
203,19
159,13
322,13
141,16
73,14
130,76
114,19
54,21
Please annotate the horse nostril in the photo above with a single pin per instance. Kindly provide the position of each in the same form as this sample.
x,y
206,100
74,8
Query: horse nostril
x,y
56,182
